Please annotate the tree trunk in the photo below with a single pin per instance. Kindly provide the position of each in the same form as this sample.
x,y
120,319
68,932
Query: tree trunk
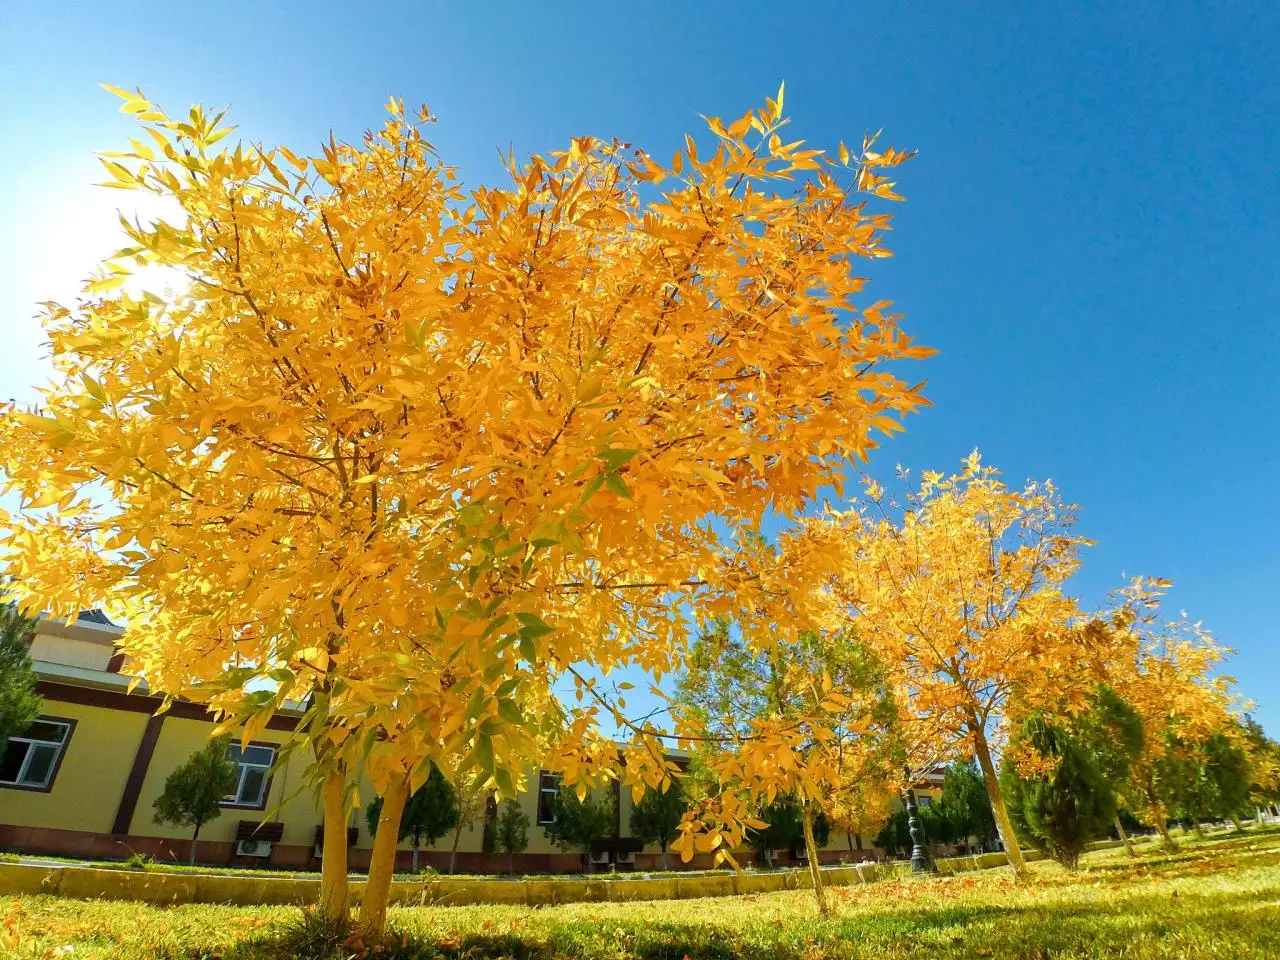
x,y
849,837
1235,820
195,834
662,857
382,863
1124,837
453,852
414,868
333,862
511,862
815,867
1195,827
586,861
998,809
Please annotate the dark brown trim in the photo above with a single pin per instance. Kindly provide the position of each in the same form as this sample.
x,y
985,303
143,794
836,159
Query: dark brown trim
x,y
271,776
140,703
137,774
116,663
57,763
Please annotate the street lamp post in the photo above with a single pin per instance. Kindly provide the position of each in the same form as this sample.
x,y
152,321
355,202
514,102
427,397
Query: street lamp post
x,y
919,859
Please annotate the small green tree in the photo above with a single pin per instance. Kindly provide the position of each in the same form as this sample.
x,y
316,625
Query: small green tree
x,y
430,813
964,804
655,817
19,704
579,823
193,793
784,829
1112,731
1061,810
473,798
511,833
1226,767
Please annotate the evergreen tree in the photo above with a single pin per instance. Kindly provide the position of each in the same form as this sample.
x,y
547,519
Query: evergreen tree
x,y
1061,810
784,830
430,813
1112,730
19,704
655,817
193,793
511,834
580,823
964,804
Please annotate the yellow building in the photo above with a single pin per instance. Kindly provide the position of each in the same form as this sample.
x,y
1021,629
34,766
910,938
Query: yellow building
x,y
83,780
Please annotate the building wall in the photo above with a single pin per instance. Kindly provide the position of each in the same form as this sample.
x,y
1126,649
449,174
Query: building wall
x,y
71,652
79,815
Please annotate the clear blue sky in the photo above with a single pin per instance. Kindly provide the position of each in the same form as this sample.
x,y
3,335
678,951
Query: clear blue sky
x,y
1090,239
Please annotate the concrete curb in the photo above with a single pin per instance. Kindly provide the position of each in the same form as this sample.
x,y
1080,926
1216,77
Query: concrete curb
x,y
155,886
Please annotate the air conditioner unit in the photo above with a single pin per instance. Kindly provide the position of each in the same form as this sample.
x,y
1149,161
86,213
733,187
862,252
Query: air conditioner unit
x,y
600,859
626,858
253,848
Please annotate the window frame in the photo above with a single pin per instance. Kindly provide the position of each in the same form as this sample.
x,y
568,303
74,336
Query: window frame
x,y
70,724
545,776
241,768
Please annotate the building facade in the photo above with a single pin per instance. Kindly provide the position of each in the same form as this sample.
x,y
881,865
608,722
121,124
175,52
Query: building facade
x,y
82,781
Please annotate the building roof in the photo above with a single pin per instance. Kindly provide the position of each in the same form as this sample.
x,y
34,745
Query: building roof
x,y
95,616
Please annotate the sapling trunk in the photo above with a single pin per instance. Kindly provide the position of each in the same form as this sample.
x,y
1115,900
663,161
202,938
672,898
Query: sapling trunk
x,y
1124,837
382,863
815,867
194,836
1001,813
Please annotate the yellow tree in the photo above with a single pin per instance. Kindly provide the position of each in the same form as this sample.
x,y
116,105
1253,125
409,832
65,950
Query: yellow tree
x,y
960,593
1166,671
408,453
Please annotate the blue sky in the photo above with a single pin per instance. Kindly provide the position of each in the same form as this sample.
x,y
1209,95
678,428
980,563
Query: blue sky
x,y
1090,237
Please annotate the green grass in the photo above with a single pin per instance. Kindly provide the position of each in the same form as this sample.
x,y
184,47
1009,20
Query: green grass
x,y
1219,898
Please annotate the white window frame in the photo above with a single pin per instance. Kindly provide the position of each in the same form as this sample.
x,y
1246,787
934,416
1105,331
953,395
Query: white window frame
x,y
554,790
59,748
236,797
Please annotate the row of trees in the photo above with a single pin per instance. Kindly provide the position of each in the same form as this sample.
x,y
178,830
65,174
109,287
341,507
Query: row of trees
x,y
416,457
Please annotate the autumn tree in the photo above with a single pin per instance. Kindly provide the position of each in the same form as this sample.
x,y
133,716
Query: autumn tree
x,y
194,792
655,816
1264,763
958,590
1166,671
410,453
770,709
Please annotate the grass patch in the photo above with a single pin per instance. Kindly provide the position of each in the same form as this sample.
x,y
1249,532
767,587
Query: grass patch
x,y
1218,898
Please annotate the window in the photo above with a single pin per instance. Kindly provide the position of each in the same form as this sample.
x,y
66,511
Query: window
x,y
924,802
548,791
253,774
30,761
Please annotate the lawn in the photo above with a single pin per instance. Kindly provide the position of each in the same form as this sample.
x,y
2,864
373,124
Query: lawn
x,y
1216,898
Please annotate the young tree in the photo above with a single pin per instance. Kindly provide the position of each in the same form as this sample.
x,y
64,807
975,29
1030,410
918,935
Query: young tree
x,y
1264,763
193,793
473,798
512,834
19,704
1165,670
655,817
1065,800
579,822
430,813
810,710
959,593
409,453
